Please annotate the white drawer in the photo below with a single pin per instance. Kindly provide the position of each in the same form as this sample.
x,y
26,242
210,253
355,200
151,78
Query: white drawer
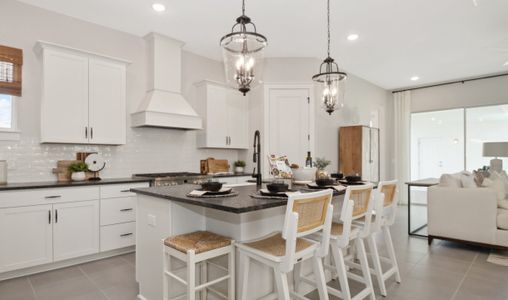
x,y
118,210
120,190
47,196
118,236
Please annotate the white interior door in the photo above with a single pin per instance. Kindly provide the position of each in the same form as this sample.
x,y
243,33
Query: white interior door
x,y
76,229
107,117
238,122
64,106
25,237
289,125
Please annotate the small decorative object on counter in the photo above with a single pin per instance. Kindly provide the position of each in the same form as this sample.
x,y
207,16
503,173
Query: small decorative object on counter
x,y
78,171
321,164
279,167
211,186
95,164
308,160
239,166
3,171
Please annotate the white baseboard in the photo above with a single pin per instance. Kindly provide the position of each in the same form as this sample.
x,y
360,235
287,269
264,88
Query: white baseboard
x,y
65,263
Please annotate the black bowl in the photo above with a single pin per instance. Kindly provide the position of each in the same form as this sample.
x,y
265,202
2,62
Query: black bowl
x,y
277,187
337,175
325,181
211,186
353,178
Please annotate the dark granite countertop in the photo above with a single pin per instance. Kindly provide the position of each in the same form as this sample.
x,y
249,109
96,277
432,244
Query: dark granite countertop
x,y
56,184
241,203
231,175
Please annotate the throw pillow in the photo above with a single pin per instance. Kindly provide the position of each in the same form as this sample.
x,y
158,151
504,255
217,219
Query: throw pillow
x,y
479,176
467,180
502,203
497,185
450,180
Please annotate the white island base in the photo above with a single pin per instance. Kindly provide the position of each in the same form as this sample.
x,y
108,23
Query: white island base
x,y
159,218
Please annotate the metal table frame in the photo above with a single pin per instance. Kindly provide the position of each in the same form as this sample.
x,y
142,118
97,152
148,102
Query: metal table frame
x,y
418,183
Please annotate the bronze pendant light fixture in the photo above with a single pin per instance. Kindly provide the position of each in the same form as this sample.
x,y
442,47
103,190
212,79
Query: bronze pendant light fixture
x,y
330,77
242,49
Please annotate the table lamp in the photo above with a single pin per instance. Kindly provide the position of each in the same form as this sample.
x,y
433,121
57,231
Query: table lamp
x,y
495,149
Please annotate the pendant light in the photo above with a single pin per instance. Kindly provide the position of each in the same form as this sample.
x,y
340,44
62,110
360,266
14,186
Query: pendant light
x,y
330,77
243,53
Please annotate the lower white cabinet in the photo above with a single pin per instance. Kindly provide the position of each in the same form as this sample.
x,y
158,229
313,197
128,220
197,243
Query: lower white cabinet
x,y
26,237
118,236
75,229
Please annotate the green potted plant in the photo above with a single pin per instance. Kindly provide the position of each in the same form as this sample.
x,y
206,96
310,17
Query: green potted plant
x,y
321,164
239,166
78,170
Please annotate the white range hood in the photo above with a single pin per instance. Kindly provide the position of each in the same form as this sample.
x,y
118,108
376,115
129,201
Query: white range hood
x,y
164,105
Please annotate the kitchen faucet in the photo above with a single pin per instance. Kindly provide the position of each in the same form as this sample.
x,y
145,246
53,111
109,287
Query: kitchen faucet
x,y
256,158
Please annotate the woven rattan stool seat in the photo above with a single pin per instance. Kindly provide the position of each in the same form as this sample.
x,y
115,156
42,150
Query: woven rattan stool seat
x,y
199,241
276,245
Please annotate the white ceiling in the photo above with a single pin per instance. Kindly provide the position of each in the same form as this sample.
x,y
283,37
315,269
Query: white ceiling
x,y
437,40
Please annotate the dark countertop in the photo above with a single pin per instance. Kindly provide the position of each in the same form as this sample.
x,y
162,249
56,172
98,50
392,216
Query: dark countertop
x,y
231,175
57,184
237,204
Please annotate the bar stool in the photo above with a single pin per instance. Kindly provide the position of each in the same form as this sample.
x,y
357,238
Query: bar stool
x,y
386,210
306,214
196,249
358,204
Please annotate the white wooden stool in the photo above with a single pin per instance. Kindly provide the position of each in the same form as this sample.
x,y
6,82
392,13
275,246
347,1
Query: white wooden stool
x,y
196,249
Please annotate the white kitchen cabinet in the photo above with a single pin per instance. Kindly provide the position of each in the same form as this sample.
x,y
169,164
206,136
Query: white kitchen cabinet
x,y
26,237
106,104
225,115
76,229
83,98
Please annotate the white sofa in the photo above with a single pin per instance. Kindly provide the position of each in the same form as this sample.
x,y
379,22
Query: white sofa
x,y
468,215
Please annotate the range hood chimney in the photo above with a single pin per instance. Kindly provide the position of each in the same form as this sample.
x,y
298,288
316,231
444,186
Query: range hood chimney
x,y
164,105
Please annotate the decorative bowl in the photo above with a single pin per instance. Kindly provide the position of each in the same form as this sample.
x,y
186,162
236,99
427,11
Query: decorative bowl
x,y
277,187
325,181
353,178
211,186
337,175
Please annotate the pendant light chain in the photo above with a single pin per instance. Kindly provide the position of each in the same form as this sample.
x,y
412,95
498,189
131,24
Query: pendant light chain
x,y
243,7
328,24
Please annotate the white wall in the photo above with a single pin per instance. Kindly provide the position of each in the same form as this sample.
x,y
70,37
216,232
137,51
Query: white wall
x,y
147,149
361,99
469,94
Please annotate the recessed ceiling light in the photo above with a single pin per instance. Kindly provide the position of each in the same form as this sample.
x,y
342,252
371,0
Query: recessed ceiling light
x,y
353,37
415,78
158,7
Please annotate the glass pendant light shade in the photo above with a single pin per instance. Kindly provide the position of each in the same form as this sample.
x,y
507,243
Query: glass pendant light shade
x,y
331,78
332,85
243,54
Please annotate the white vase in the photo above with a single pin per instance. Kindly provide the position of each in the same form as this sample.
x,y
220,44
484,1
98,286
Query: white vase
x,y
239,169
78,176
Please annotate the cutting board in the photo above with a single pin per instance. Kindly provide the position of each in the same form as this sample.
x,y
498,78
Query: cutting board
x,y
212,165
62,169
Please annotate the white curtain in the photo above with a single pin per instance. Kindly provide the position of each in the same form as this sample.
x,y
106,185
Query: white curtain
x,y
402,126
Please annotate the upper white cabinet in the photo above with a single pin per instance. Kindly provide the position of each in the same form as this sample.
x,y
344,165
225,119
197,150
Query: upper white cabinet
x,y
225,114
83,97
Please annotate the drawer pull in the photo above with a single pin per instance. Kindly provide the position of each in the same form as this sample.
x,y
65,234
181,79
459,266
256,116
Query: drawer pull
x,y
53,197
126,234
125,209
125,191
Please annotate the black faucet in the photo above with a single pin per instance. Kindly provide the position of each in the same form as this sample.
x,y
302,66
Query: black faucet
x,y
256,157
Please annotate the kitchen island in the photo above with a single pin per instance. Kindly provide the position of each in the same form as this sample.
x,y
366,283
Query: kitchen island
x,y
168,211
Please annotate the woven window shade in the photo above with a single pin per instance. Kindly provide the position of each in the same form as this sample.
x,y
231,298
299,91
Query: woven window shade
x,y
11,62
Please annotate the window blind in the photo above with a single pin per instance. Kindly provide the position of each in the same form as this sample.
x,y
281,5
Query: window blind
x,y
11,62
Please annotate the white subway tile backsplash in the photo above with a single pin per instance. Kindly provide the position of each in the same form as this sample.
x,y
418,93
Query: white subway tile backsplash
x,y
147,150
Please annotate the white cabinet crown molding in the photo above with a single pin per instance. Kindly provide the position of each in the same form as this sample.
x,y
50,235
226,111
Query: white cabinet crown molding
x,y
41,45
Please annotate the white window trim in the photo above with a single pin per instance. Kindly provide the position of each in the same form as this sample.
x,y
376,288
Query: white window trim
x,y
12,134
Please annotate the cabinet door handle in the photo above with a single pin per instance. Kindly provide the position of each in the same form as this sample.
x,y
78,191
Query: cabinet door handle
x,y
91,133
56,215
125,234
49,216
230,140
86,132
125,209
53,197
125,191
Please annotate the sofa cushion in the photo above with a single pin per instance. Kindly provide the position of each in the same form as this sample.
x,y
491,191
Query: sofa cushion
x,y
450,180
467,180
502,218
502,203
497,185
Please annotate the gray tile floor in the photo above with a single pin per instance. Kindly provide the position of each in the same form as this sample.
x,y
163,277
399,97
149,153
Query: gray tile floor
x,y
444,271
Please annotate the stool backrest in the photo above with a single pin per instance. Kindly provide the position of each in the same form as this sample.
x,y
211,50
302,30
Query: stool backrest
x,y
307,213
360,200
390,191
